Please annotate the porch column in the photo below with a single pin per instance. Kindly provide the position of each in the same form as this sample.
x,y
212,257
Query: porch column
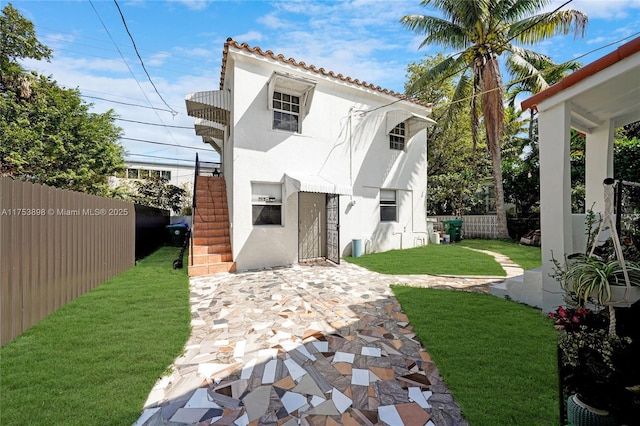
x,y
555,196
598,165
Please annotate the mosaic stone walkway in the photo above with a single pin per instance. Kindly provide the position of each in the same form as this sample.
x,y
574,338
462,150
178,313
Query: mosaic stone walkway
x,y
308,344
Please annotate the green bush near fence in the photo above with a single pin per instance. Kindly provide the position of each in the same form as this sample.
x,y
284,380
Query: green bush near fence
x,y
95,360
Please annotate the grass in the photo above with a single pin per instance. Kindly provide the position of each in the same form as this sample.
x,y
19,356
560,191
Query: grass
x,y
497,357
95,360
450,259
527,257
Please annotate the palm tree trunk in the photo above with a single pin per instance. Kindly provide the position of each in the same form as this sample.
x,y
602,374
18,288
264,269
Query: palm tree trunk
x,y
493,111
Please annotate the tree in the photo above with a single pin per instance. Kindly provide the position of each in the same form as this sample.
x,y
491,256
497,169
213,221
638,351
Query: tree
x,y
47,133
482,30
455,170
156,191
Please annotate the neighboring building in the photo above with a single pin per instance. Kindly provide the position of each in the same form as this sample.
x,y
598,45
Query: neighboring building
x,y
180,175
312,160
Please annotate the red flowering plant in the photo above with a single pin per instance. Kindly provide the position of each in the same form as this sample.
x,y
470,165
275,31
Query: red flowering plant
x,y
591,357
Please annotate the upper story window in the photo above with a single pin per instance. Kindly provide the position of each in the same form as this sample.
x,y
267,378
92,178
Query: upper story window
x,y
286,111
397,136
290,99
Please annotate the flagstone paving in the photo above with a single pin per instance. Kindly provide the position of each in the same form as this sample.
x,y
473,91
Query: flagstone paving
x,y
316,344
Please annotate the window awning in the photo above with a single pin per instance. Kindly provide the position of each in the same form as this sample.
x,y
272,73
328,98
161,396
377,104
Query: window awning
x,y
414,122
213,105
292,85
314,183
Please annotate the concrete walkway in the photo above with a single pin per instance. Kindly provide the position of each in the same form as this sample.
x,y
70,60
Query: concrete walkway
x,y
308,344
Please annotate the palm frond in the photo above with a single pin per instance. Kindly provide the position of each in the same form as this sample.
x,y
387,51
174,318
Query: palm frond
x,y
513,10
437,30
539,27
450,66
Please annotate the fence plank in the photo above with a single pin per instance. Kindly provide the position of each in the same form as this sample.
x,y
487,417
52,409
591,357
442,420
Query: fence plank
x,y
56,245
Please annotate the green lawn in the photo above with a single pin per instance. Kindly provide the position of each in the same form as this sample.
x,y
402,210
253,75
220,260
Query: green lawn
x,y
527,257
95,360
497,357
442,259
450,259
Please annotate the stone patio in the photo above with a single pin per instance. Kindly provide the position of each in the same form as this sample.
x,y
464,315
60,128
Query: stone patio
x,y
318,344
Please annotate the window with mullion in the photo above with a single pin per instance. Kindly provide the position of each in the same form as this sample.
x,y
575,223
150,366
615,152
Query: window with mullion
x,y
286,112
397,137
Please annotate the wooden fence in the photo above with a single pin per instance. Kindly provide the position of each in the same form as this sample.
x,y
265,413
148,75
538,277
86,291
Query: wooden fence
x,y
54,246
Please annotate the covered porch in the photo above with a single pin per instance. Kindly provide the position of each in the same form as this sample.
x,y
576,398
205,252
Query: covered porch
x,y
594,100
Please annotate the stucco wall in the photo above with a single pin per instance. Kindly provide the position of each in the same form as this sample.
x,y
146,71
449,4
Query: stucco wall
x,y
339,141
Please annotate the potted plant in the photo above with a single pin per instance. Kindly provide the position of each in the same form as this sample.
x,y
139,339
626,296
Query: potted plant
x,y
592,362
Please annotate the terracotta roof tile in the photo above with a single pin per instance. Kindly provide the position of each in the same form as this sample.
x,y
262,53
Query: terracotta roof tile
x,y
281,58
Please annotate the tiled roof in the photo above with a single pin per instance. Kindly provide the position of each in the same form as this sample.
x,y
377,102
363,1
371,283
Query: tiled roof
x,y
281,58
595,67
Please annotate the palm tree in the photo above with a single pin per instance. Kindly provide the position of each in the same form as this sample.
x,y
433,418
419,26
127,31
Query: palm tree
x,y
483,30
548,73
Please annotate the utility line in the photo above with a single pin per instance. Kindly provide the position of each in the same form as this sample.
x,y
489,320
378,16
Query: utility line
x,y
155,110
126,27
163,158
154,124
161,143
125,103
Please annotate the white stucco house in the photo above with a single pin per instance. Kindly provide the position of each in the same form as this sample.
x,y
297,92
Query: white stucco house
x,y
594,100
312,160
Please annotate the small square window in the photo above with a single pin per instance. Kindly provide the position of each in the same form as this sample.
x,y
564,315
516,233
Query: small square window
x,y
388,206
266,203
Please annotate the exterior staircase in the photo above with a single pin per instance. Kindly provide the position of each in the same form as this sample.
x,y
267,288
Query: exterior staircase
x,y
211,243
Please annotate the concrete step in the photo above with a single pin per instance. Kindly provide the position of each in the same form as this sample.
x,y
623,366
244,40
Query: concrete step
x,y
215,211
212,225
211,241
211,249
212,268
218,249
206,259
499,289
525,288
202,232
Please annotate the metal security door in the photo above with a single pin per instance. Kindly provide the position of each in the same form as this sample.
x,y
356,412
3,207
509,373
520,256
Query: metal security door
x,y
333,228
311,226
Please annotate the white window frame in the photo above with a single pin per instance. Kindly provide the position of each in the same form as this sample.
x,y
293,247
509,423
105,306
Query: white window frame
x,y
292,85
386,201
286,105
266,194
398,136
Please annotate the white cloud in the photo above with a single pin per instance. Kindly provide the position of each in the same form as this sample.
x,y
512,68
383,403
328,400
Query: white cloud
x,y
272,21
596,40
157,59
606,9
249,36
194,4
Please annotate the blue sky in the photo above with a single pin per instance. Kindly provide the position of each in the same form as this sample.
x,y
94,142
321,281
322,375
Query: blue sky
x,y
181,42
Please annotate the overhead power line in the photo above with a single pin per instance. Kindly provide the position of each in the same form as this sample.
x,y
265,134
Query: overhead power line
x,y
126,27
161,143
155,124
125,103
164,158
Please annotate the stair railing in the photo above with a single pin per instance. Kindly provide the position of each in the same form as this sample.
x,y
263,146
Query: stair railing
x,y
193,203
